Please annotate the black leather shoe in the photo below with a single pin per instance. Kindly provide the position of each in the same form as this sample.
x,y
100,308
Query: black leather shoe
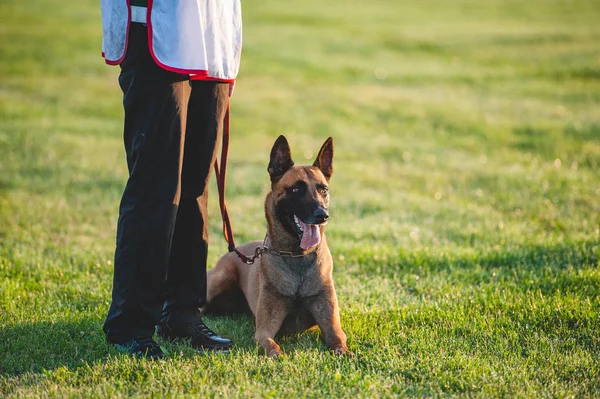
x,y
145,348
200,336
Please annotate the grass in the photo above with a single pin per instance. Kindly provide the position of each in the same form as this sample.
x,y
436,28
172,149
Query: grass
x,y
465,218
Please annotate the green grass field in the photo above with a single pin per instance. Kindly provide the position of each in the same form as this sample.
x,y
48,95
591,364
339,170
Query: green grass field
x,y
466,199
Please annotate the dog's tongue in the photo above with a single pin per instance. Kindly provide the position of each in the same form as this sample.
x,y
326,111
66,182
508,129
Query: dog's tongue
x,y
310,235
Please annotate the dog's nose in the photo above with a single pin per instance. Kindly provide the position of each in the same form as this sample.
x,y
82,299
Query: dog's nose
x,y
320,215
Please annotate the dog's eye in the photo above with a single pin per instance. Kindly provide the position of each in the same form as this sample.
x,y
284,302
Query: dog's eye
x,y
299,188
323,190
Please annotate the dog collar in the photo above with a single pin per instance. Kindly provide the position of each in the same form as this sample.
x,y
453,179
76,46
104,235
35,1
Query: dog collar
x,y
264,249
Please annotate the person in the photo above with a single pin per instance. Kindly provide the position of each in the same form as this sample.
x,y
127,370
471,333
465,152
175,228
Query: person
x,y
179,60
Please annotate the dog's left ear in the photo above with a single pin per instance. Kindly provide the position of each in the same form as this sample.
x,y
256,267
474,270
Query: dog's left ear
x,y
324,160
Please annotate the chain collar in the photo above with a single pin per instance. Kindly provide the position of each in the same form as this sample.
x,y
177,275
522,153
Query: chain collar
x,y
264,249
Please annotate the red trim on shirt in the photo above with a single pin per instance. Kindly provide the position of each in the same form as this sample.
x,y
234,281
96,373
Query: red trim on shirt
x,y
160,64
202,77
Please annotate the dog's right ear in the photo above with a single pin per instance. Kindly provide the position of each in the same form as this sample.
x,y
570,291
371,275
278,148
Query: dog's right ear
x,y
281,159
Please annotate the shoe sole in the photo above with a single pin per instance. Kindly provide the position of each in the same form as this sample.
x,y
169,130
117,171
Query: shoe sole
x,y
187,340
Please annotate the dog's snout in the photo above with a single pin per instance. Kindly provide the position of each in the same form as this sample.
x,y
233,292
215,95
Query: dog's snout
x,y
321,215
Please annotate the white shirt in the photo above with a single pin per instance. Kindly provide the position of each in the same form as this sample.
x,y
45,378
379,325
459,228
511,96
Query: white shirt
x,y
202,38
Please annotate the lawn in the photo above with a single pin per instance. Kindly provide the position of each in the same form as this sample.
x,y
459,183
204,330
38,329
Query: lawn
x,y
465,222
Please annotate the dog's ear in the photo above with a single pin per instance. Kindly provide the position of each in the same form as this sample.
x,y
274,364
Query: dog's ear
x,y
281,159
324,160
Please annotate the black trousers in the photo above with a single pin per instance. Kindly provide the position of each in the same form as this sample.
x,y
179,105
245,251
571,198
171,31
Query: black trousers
x,y
171,132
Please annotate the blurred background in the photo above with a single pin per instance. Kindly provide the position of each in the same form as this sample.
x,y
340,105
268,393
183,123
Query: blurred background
x,y
456,123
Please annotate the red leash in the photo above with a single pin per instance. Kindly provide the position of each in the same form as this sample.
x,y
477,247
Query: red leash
x,y
227,232
220,175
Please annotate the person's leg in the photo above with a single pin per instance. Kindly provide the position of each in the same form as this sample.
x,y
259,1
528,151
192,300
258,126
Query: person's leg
x,y
186,275
155,103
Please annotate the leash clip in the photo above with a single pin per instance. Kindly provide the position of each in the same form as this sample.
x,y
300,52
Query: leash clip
x,y
249,260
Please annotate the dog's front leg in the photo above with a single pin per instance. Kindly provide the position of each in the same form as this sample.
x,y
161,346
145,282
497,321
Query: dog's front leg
x,y
271,310
325,310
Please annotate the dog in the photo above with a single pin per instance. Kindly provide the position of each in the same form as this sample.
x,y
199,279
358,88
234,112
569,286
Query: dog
x,y
289,288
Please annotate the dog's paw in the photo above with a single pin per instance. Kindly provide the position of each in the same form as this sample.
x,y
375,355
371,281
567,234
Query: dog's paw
x,y
275,354
343,351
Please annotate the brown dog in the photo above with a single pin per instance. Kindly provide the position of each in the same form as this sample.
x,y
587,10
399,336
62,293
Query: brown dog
x,y
289,288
